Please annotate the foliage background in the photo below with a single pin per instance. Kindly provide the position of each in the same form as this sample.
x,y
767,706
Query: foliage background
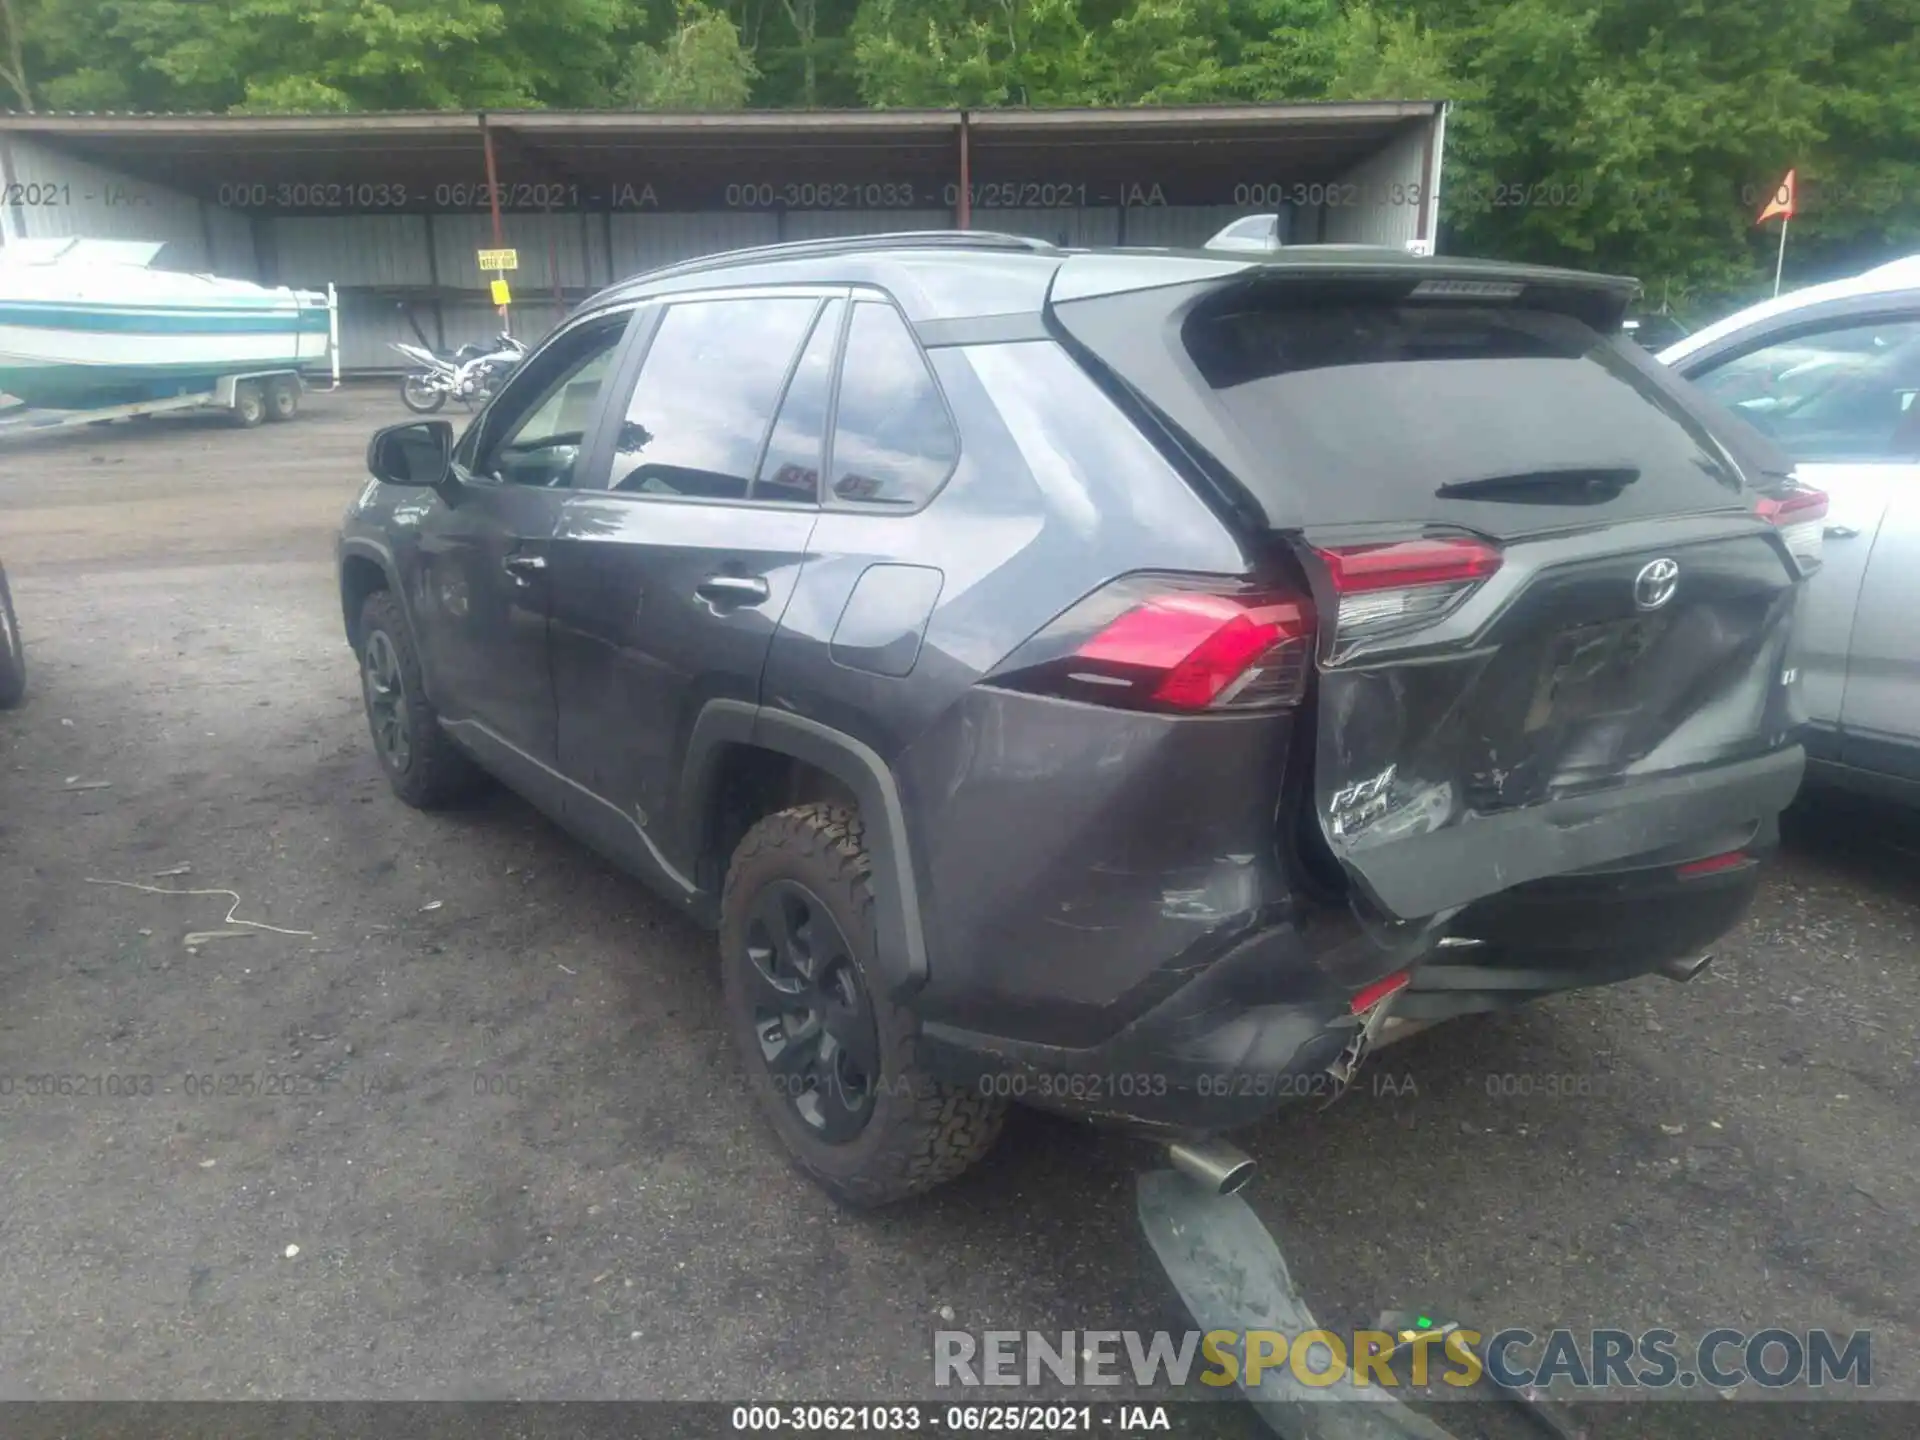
x,y
1644,134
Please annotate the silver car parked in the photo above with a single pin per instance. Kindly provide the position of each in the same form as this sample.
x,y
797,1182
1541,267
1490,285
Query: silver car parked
x,y
1831,374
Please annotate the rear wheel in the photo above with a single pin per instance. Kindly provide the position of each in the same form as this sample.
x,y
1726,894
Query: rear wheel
x,y
829,1059
423,765
249,404
13,654
283,398
421,395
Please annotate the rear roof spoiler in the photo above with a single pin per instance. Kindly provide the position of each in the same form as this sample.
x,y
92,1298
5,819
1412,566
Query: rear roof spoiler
x,y
1600,300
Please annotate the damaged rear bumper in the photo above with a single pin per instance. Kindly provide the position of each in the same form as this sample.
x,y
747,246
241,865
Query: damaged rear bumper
x,y
1264,1025
1257,1029
1598,928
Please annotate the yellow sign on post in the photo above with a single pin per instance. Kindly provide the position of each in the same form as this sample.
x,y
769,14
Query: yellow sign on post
x,y
499,259
501,295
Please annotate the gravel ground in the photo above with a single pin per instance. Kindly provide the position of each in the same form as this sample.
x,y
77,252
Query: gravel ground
x,y
484,1088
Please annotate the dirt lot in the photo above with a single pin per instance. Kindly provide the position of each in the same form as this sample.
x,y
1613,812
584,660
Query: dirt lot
x,y
492,1105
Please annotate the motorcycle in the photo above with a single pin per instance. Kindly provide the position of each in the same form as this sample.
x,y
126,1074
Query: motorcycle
x,y
470,375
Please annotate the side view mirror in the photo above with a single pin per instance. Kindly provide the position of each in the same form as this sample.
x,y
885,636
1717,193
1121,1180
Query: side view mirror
x,y
419,452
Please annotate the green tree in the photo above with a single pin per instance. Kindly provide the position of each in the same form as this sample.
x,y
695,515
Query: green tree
x,y
951,52
329,54
701,66
13,57
1374,54
1628,135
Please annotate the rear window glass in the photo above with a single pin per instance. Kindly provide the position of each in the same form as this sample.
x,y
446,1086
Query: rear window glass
x,y
1498,418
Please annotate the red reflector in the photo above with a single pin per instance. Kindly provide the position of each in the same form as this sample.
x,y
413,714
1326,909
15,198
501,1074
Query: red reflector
x,y
1795,508
1357,568
1380,990
1713,864
1201,643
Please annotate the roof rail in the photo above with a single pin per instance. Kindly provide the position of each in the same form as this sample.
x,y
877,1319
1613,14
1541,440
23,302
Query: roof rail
x,y
849,245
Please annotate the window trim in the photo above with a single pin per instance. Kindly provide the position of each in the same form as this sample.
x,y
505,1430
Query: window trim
x,y
1835,315
829,502
653,312
1854,313
780,403
596,430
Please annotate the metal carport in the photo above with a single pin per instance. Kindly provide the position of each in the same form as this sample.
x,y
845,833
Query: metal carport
x,y
392,208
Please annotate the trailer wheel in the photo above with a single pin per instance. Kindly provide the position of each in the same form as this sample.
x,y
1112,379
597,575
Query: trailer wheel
x,y
13,656
249,404
283,398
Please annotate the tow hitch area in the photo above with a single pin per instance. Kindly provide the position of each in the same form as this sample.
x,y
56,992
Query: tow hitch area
x,y
1370,1011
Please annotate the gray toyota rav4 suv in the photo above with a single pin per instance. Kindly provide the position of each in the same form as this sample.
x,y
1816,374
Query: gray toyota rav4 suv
x,y
1119,681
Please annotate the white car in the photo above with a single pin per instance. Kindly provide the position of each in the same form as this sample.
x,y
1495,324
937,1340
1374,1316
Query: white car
x,y
1832,373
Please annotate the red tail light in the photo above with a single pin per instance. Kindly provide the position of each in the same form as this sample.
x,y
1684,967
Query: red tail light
x,y
1712,865
1800,516
1171,645
1385,587
1380,990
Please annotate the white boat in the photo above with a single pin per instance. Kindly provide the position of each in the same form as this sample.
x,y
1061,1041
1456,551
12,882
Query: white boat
x,y
88,323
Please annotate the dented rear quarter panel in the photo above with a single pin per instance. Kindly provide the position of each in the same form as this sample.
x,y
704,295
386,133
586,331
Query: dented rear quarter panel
x,y
1063,852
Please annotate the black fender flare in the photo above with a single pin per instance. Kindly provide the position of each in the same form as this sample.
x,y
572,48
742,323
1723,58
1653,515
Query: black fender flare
x,y
361,547
902,961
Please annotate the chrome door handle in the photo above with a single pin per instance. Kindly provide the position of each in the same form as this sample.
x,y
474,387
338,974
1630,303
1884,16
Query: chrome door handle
x,y
1839,532
524,567
734,589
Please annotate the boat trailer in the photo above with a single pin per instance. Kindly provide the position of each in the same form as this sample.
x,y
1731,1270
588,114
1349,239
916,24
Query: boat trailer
x,y
227,393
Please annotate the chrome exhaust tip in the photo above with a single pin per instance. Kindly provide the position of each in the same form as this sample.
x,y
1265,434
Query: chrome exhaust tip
x,y
1681,971
1215,1166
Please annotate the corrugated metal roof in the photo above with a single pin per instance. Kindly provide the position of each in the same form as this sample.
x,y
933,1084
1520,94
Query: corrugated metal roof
x,y
1003,117
617,162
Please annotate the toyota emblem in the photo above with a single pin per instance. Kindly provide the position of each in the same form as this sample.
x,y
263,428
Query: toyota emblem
x,y
1655,584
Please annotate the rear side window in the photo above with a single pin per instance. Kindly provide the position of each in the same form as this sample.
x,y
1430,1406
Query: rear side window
x,y
1843,393
705,398
1504,419
893,441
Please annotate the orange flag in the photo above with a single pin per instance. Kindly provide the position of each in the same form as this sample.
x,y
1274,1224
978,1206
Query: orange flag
x,y
1782,202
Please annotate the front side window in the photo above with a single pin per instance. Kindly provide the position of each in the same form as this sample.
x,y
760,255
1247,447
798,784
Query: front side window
x,y
893,441
1843,393
537,429
706,395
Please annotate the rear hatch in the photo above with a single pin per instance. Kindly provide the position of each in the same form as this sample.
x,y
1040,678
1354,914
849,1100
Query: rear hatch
x,y
1553,589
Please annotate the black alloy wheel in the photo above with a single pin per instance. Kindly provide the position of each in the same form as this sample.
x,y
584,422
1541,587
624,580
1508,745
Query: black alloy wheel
x,y
811,1012
422,763
386,701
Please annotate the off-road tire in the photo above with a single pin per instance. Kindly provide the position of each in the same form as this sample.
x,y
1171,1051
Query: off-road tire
x,y
437,773
13,651
922,1132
